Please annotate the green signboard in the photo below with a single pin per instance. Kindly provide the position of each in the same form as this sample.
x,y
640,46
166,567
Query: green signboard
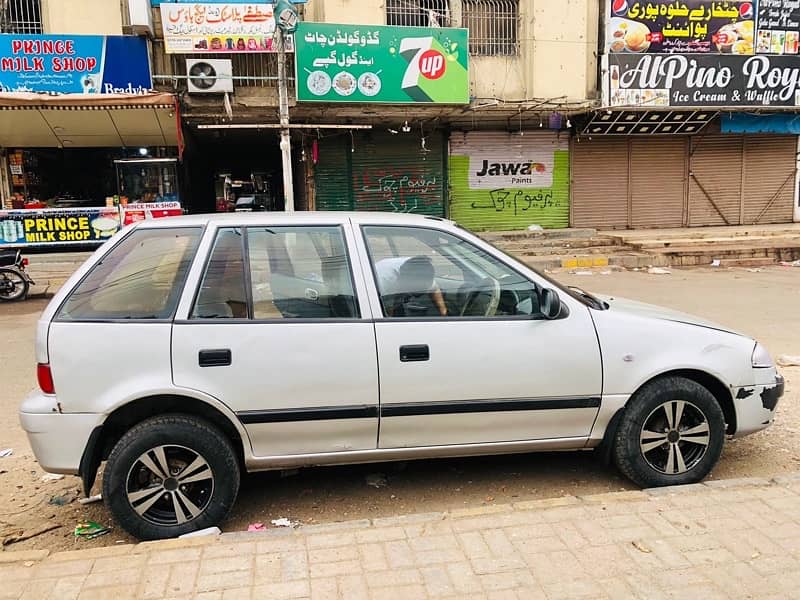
x,y
397,65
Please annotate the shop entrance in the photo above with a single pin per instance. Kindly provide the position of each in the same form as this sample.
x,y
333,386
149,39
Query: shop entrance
x,y
224,167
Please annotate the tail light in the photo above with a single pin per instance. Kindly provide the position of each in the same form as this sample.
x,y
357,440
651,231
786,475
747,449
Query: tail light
x,y
24,262
45,378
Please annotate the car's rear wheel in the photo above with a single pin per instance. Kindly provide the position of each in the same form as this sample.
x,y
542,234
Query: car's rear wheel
x,y
671,433
170,475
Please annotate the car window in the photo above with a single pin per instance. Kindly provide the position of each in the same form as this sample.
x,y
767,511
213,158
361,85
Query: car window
x,y
423,272
300,273
222,292
140,278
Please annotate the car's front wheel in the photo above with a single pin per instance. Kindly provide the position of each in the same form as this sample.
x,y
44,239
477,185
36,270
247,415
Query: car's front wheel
x,y
671,433
170,475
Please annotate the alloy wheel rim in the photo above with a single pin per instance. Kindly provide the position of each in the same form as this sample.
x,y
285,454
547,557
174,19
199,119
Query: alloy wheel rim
x,y
169,485
674,437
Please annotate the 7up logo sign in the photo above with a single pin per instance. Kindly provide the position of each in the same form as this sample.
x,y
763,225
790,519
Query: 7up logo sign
x,y
434,72
432,64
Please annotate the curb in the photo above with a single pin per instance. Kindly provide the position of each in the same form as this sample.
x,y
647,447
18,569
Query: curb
x,y
31,557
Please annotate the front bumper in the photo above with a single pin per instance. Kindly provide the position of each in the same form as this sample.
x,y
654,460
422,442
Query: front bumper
x,y
58,440
755,406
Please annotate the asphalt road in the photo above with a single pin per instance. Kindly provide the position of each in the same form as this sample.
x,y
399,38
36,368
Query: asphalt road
x,y
764,304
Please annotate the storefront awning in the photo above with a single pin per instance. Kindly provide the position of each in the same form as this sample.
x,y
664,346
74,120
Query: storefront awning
x,y
647,122
87,120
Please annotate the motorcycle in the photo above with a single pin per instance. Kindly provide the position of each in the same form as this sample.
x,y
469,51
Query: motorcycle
x,y
14,279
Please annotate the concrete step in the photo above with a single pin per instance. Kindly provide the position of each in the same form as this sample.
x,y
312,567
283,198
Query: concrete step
x,y
570,233
627,260
525,245
567,251
765,241
737,232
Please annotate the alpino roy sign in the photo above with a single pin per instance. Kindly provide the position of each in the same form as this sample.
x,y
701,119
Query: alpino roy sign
x,y
365,63
702,80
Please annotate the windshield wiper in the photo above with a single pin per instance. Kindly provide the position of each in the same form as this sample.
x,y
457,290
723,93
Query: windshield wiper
x,y
593,300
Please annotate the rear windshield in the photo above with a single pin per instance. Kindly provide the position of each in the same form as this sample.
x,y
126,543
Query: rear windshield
x,y
140,278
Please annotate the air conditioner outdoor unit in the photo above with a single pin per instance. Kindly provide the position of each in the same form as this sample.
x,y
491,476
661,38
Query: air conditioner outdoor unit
x,y
209,76
141,18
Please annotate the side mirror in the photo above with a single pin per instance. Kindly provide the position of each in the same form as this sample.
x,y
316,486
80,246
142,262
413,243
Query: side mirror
x,y
549,303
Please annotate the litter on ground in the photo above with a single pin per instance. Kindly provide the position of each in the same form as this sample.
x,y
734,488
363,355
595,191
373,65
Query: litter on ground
x,y
284,522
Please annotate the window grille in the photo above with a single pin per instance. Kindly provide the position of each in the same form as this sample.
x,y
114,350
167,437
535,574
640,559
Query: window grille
x,y
493,26
20,16
418,13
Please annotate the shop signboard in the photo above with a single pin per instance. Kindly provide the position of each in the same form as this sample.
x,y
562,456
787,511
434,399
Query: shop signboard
x,y
778,25
227,27
702,80
71,64
691,26
381,64
74,226
139,212
502,181
160,2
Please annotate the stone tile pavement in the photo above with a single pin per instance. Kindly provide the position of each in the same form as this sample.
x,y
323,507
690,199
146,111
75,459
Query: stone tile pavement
x,y
722,539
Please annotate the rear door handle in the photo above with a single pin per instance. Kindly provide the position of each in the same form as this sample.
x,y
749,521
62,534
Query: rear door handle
x,y
417,353
214,358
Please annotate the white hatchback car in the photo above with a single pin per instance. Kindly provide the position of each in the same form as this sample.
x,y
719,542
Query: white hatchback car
x,y
190,349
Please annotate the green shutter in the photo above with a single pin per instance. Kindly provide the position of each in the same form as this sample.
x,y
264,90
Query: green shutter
x,y
378,171
332,174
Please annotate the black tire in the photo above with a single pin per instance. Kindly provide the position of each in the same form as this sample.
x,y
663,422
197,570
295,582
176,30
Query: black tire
x,y
17,285
690,448
171,507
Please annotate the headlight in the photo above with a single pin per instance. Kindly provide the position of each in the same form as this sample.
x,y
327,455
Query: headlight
x,y
761,358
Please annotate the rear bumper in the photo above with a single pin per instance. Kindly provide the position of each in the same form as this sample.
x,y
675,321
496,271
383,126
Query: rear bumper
x,y
58,440
755,406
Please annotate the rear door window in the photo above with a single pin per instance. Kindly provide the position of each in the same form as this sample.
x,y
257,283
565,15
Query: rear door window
x,y
140,278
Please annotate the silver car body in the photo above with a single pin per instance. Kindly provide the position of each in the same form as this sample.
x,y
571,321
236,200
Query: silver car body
x,y
325,392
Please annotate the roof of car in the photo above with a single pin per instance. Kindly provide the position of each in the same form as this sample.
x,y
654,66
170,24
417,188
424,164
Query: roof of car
x,y
304,218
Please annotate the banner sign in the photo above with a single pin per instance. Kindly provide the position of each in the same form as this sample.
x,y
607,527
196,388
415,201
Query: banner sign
x,y
692,26
501,181
60,226
702,80
778,24
160,2
72,64
218,28
400,65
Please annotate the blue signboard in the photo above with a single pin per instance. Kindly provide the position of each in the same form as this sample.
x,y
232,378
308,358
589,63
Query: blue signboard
x,y
780,123
69,64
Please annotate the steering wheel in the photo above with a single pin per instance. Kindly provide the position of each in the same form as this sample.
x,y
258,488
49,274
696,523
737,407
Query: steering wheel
x,y
487,284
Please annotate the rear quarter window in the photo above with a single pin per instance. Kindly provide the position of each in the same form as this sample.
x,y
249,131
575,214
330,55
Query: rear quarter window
x,y
140,278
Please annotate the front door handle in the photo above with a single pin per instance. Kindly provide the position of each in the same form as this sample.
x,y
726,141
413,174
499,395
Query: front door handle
x,y
417,353
214,358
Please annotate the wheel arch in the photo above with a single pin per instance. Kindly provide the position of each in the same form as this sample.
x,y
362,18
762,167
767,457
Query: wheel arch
x,y
105,436
719,390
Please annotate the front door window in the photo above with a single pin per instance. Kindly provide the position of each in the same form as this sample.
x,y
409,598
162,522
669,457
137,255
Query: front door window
x,y
423,272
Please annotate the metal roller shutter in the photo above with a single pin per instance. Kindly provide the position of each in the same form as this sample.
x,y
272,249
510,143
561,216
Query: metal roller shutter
x,y
600,183
657,181
332,175
380,172
394,173
770,166
715,182
503,181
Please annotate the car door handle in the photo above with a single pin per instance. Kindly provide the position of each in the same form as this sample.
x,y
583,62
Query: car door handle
x,y
417,353
214,358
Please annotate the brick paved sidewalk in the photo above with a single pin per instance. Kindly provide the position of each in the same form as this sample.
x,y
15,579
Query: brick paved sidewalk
x,y
723,539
